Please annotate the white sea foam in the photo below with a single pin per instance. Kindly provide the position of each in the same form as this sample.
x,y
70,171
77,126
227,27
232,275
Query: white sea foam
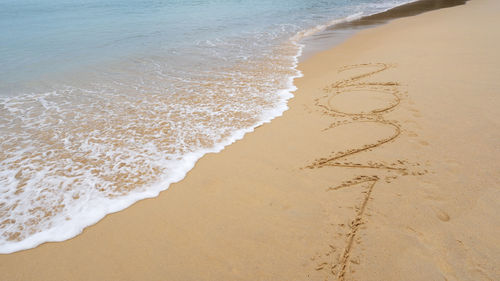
x,y
78,155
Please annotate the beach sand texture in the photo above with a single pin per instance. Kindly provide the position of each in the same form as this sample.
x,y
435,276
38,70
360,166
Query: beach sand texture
x,y
384,168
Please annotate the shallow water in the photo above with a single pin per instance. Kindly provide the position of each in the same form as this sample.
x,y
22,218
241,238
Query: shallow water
x,y
103,103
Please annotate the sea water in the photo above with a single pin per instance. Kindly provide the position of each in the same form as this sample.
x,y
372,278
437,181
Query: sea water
x,y
106,102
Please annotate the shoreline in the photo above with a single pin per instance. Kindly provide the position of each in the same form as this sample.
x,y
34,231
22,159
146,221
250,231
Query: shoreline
x,y
334,34
284,203
74,227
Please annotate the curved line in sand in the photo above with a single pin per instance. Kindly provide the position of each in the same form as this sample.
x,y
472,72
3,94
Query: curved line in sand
x,y
392,105
319,163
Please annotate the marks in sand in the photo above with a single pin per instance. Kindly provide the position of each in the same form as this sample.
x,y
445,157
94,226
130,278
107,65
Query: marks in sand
x,y
354,100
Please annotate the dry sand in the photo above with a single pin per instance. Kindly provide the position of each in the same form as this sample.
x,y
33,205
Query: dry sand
x,y
384,168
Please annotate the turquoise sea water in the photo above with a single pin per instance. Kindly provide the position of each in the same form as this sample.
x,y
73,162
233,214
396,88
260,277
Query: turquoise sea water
x,y
42,39
103,103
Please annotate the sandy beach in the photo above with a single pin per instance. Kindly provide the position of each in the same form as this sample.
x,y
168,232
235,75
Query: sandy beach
x,y
385,167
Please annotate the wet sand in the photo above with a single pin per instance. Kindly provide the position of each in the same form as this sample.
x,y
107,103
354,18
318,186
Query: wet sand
x,y
384,168
336,34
